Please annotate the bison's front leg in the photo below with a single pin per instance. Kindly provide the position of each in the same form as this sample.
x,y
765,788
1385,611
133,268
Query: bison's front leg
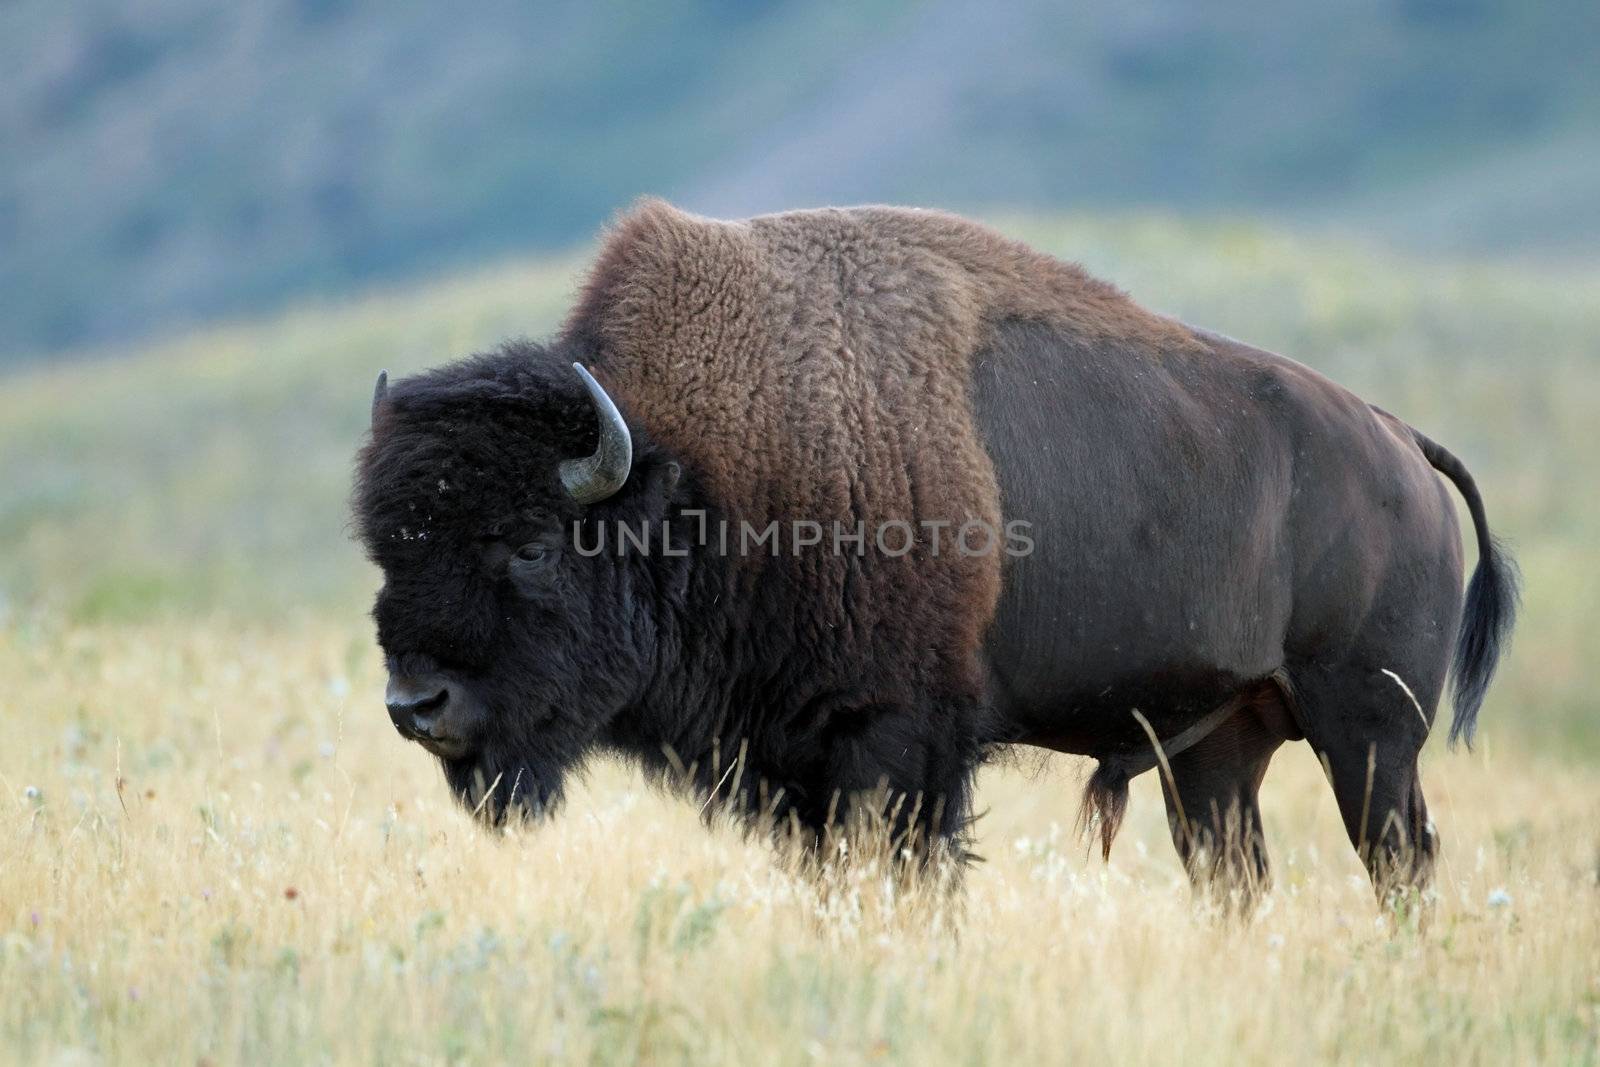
x,y
900,775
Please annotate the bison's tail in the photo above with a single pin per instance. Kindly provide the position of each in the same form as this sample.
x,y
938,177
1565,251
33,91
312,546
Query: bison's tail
x,y
1491,605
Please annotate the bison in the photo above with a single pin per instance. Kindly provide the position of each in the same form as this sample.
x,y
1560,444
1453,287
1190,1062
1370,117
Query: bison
x,y
834,504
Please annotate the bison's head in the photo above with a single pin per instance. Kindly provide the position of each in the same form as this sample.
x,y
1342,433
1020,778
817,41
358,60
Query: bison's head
x,y
509,652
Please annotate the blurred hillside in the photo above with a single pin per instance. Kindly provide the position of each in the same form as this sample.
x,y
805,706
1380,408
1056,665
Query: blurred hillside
x,y
210,475
173,160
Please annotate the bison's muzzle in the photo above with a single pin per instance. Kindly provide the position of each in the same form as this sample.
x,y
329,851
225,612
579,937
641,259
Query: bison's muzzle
x,y
433,712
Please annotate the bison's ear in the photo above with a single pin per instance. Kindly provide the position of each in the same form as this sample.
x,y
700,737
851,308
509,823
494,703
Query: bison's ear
x,y
655,482
654,486
665,477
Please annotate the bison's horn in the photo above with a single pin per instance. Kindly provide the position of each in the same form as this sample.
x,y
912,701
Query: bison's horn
x,y
379,391
596,477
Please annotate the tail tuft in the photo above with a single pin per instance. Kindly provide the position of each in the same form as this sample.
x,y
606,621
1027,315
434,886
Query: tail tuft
x,y
1486,621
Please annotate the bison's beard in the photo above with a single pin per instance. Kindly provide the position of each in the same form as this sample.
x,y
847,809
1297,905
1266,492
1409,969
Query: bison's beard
x,y
497,790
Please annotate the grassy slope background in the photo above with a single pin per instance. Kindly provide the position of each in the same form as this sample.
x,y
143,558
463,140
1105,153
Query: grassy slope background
x,y
144,146
212,847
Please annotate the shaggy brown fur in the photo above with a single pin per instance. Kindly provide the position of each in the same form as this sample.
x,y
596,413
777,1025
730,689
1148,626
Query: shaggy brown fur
x,y
817,365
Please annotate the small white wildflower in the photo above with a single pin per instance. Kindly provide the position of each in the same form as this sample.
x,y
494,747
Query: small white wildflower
x,y
326,750
338,687
1022,844
1274,941
1499,898
31,793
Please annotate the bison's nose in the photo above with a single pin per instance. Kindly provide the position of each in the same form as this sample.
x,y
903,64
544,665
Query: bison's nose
x,y
415,704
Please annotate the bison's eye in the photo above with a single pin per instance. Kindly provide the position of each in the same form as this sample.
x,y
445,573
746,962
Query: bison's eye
x,y
531,565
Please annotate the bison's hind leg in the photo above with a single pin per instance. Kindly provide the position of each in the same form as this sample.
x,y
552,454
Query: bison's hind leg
x,y
1368,725
1211,791
1210,788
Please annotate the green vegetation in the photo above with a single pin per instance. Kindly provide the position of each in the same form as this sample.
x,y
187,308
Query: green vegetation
x,y
210,475
173,161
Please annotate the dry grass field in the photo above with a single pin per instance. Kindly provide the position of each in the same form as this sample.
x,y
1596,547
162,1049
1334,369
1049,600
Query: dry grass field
x,y
213,849
292,885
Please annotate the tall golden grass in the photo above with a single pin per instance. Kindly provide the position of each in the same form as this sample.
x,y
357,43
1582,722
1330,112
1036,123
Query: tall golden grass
x,y
214,849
